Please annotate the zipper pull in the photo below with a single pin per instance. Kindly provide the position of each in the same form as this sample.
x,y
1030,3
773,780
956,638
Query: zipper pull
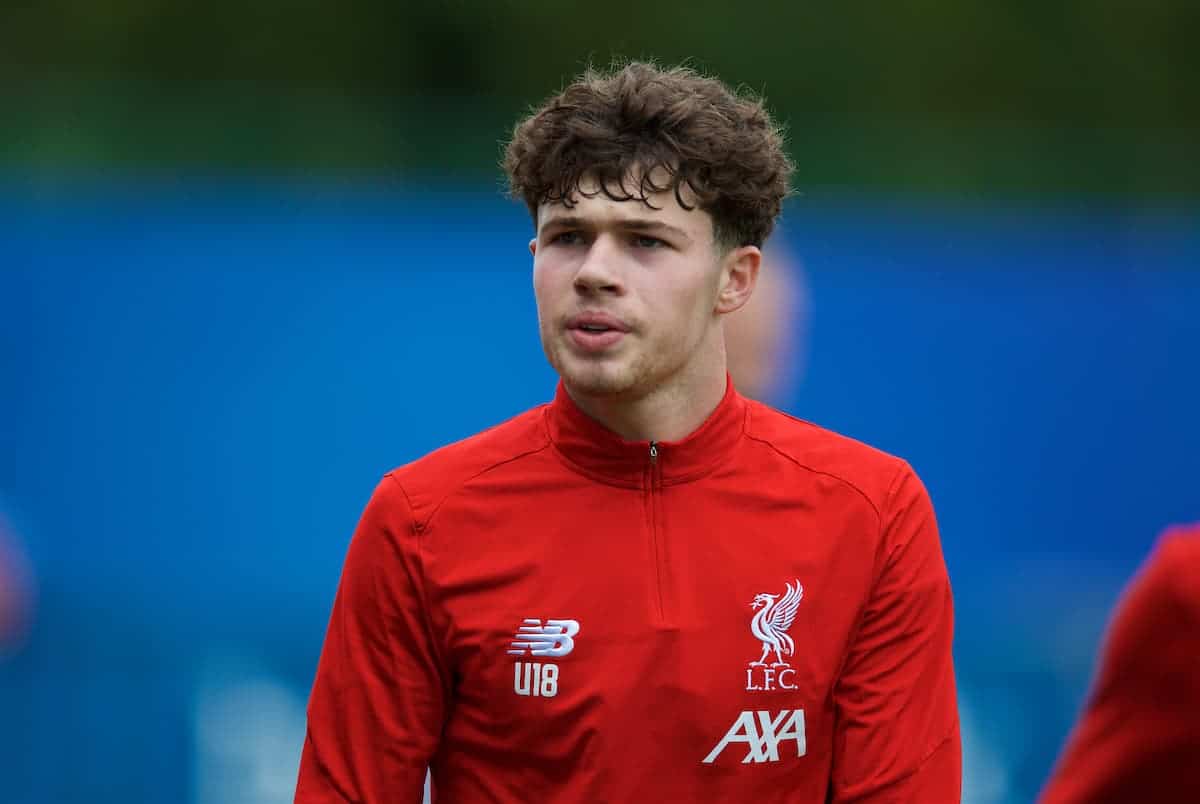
x,y
653,452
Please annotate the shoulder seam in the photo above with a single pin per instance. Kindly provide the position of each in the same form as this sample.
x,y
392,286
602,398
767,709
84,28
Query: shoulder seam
x,y
424,523
408,500
901,471
806,467
426,603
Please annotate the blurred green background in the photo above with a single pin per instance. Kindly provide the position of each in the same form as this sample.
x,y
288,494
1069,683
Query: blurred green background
x,y
236,237
1009,99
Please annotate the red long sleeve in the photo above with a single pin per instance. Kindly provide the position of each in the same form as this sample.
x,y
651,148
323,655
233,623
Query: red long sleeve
x,y
1139,737
376,710
897,736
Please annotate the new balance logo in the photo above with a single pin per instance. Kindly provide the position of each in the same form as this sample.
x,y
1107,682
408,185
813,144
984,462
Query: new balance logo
x,y
556,638
763,734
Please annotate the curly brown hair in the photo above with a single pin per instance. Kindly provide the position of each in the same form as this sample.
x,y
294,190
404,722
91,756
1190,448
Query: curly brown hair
x,y
661,129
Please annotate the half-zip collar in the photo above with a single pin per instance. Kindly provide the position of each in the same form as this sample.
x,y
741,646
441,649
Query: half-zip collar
x,y
604,455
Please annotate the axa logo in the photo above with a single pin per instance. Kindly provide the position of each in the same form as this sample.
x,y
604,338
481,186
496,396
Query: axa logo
x,y
770,625
762,732
556,638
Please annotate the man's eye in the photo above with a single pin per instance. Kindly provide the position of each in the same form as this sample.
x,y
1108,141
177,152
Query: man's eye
x,y
646,241
567,238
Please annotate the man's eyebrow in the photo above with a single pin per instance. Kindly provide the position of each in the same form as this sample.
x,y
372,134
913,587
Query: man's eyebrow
x,y
632,224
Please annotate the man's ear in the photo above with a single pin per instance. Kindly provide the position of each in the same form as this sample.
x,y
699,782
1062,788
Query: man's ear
x,y
739,275
537,223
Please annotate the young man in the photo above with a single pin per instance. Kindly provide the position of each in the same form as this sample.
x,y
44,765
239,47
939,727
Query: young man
x,y
650,589
1139,739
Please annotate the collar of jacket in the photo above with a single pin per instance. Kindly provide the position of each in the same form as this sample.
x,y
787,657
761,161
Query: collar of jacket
x,y
603,455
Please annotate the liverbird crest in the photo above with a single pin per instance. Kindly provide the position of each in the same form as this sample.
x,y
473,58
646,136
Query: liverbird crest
x,y
773,619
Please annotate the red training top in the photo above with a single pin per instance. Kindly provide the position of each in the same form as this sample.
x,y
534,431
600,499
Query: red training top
x,y
1139,738
547,613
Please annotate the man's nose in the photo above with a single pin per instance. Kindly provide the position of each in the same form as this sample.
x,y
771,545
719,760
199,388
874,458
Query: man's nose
x,y
599,272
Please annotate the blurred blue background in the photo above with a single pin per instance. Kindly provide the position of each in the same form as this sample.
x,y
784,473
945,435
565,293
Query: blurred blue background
x,y
252,256
205,380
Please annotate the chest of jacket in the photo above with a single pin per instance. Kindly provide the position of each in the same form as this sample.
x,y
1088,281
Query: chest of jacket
x,y
598,616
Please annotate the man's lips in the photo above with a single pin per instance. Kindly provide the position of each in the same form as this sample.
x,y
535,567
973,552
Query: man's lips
x,y
596,322
595,331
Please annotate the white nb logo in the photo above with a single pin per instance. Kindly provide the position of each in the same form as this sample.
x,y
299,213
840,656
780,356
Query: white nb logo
x,y
764,736
555,638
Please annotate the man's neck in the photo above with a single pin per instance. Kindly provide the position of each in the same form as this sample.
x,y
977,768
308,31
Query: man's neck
x,y
670,413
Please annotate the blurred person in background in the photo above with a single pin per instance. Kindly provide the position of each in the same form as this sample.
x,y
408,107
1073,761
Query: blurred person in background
x,y
652,588
1138,739
764,340
15,589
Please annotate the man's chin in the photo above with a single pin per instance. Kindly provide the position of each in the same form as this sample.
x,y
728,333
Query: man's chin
x,y
597,386
597,380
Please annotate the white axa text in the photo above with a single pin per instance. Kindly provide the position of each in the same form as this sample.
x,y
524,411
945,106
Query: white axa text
x,y
762,733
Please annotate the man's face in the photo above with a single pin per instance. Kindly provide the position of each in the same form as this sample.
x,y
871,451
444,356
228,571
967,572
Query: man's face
x,y
627,295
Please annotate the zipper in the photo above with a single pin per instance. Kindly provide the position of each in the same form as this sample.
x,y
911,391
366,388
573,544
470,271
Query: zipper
x,y
653,489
